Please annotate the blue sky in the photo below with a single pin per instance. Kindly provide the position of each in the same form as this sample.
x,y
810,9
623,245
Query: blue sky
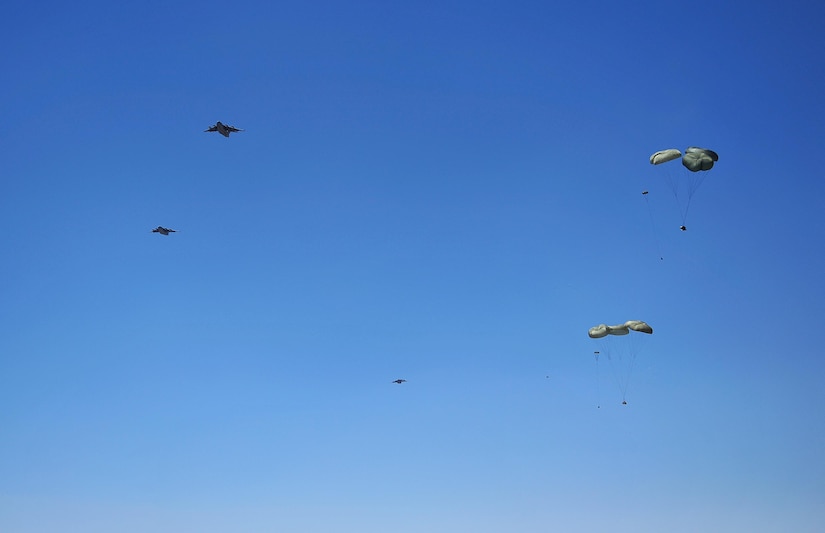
x,y
446,192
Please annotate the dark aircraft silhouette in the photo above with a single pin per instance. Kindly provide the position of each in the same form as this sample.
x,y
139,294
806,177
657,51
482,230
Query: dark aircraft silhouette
x,y
400,381
223,129
163,231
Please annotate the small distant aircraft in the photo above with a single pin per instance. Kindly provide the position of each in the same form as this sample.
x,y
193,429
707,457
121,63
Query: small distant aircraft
x,y
163,231
223,129
400,381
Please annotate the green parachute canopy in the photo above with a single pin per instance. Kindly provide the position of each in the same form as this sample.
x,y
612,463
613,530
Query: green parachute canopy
x,y
697,159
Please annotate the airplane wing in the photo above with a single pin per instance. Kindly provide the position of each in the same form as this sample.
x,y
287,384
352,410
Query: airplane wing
x,y
213,128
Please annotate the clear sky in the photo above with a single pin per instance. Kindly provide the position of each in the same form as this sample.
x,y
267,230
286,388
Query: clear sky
x,y
447,192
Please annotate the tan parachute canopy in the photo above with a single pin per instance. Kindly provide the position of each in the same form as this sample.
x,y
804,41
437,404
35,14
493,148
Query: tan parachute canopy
x,y
663,156
603,330
697,159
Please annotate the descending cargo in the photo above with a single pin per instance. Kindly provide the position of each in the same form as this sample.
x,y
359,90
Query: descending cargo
x,y
621,343
684,183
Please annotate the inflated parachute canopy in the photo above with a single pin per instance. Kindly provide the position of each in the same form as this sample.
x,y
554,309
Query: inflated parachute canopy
x,y
603,330
638,325
663,156
697,159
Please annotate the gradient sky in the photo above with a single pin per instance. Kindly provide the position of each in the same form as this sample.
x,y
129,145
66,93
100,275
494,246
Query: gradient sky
x,y
446,192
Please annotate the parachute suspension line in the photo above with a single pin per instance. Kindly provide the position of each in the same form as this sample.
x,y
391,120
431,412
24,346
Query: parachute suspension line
x,y
685,212
621,366
653,228
673,181
615,373
694,183
598,386
674,184
635,347
627,380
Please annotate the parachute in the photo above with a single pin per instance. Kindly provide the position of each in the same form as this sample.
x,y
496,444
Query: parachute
x,y
663,156
695,160
602,330
621,343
